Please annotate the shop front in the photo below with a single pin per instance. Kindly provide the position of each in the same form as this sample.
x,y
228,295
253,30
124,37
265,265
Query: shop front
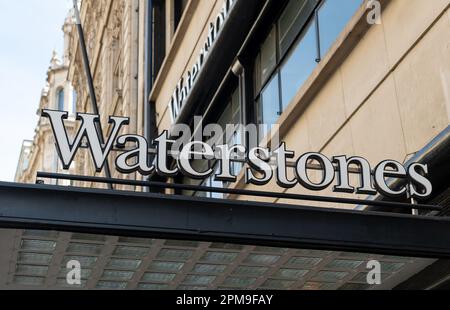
x,y
268,145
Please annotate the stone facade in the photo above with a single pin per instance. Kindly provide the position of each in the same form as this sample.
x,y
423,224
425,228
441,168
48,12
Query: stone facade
x,y
113,33
58,93
387,96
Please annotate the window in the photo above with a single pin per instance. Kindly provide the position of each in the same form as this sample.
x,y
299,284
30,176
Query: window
x,y
74,102
60,99
160,28
279,69
299,65
178,9
303,33
333,17
157,40
231,115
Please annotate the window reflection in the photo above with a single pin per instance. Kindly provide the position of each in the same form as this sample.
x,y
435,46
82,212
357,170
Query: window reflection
x,y
231,136
291,51
268,56
60,99
74,102
270,102
299,65
333,17
292,20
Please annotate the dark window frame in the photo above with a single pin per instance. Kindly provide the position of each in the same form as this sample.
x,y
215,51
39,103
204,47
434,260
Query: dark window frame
x,y
255,98
281,59
158,20
179,6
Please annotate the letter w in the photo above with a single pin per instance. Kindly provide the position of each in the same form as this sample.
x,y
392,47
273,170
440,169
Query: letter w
x,y
68,148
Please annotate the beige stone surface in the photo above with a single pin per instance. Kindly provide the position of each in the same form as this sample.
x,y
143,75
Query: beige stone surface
x,y
326,113
364,69
376,127
298,139
404,22
185,56
422,82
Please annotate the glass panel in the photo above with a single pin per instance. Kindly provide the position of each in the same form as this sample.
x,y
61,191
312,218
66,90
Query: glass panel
x,y
333,17
218,184
29,280
270,103
292,20
85,273
135,252
236,107
257,75
32,258
226,246
299,65
88,237
61,100
118,275
319,286
74,102
362,277
261,259
329,276
175,254
278,284
199,280
391,267
250,271
290,273
204,268
31,270
191,288
268,56
226,117
83,248
111,285
397,258
85,261
304,262
237,281
130,264
62,282
38,245
158,277
219,257
152,287
166,266
41,234
344,264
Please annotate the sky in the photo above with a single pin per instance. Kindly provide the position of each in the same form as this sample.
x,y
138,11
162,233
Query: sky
x,y
29,31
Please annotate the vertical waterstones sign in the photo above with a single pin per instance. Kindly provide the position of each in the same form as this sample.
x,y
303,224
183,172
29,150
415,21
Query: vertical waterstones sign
x,y
186,83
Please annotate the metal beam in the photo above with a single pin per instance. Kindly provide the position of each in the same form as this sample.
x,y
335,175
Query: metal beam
x,y
176,217
90,82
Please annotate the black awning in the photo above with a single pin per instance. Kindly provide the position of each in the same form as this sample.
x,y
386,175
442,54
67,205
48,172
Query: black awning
x,y
230,221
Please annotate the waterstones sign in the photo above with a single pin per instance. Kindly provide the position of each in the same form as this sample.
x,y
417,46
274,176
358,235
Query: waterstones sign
x,y
195,159
186,83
